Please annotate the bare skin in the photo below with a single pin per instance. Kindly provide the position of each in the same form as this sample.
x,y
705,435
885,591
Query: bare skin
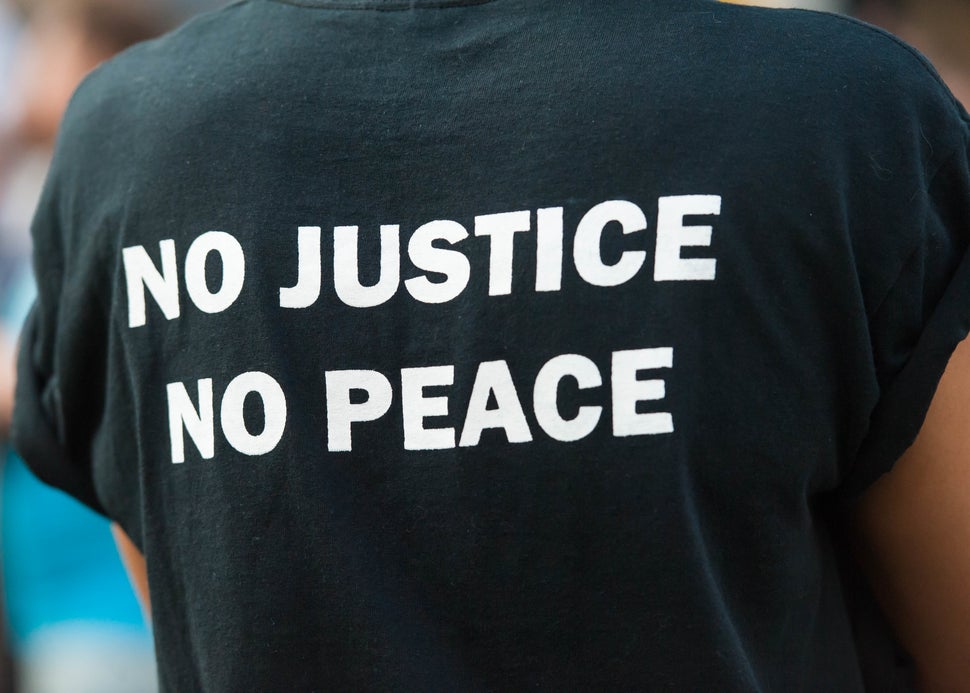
x,y
914,533
134,563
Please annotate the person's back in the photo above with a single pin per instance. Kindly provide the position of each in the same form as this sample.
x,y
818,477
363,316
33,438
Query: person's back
x,y
456,345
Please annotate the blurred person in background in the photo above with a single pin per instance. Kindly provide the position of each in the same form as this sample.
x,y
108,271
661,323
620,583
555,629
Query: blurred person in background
x,y
10,25
74,625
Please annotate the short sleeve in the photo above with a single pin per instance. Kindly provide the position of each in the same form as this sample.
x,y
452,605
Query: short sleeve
x,y
35,433
59,407
922,317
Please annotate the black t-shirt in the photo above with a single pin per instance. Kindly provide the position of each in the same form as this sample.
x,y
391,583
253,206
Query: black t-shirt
x,y
481,345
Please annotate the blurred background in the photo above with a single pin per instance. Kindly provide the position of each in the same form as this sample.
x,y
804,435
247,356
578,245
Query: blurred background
x,y
70,621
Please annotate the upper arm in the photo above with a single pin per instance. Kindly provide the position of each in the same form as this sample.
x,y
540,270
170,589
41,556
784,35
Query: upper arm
x,y
913,527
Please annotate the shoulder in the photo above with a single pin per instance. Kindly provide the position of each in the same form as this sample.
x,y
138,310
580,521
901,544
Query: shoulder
x,y
807,80
136,116
831,62
139,90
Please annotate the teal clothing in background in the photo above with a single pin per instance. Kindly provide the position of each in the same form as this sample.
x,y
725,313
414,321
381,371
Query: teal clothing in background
x,y
60,562
75,625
